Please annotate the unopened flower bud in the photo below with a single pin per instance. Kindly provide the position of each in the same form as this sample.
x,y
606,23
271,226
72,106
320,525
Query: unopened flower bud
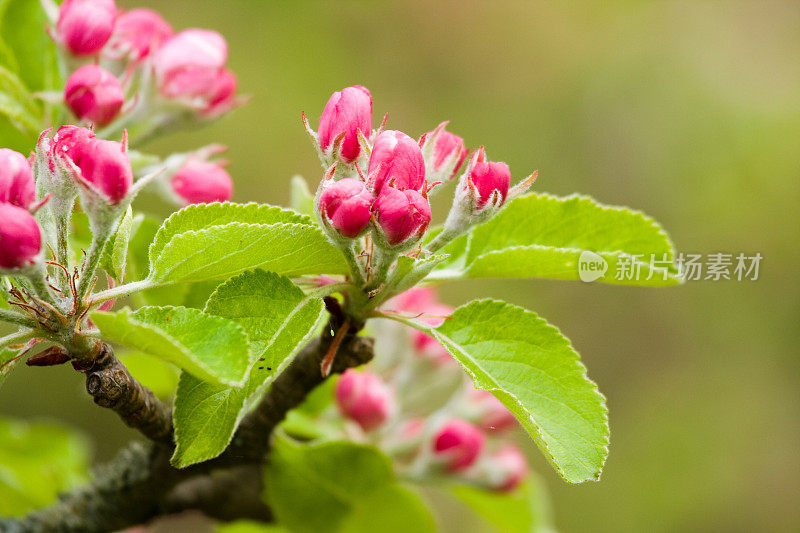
x,y
189,63
364,398
20,238
459,444
94,94
199,182
491,180
508,468
444,153
84,26
396,160
138,33
346,112
222,95
70,142
402,216
16,179
106,166
346,205
490,412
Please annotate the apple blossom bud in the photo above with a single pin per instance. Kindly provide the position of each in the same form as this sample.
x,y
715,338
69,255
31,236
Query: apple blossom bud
x,y
402,216
491,180
346,205
364,398
347,111
490,412
459,443
189,63
16,179
94,94
70,141
444,153
84,26
509,467
138,33
200,182
221,95
20,238
396,159
106,166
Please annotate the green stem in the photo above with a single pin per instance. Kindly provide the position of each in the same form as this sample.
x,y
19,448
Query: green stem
x,y
15,338
355,267
124,290
440,241
37,277
92,260
16,318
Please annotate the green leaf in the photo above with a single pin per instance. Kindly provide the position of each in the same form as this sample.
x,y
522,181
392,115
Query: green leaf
x,y
540,235
196,217
339,486
119,252
530,367
216,241
152,372
278,319
525,510
247,526
7,362
302,199
27,49
37,461
209,347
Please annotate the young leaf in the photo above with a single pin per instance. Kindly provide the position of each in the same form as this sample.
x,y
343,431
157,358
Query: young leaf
x,y
201,216
209,347
7,362
152,372
540,235
530,367
339,486
17,105
119,252
38,461
278,319
222,251
302,199
28,50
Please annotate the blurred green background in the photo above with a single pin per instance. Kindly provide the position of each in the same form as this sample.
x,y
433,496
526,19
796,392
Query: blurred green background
x,y
687,110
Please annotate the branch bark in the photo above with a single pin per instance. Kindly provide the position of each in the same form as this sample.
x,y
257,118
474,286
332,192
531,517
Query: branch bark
x,y
140,484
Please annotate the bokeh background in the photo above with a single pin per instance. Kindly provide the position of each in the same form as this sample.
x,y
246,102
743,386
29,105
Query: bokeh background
x,y
688,110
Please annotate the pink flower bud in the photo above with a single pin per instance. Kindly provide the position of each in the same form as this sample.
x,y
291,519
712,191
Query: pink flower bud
x,y
221,96
509,467
84,26
402,215
347,111
20,238
16,179
346,205
70,142
491,412
364,398
490,179
189,64
106,166
459,443
200,182
94,94
415,300
396,159
448,152
138,33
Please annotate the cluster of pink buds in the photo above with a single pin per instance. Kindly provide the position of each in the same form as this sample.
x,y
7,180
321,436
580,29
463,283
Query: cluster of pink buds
x,y
136,51
468,436
20,236
377,182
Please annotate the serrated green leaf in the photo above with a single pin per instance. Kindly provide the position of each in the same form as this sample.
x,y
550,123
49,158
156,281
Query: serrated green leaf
x,y
278,319
222,251
202,216
540,235
119,252
209,347
37,461
339,486
530,367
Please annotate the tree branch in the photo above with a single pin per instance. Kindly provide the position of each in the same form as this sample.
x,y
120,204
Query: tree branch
x,y
140,484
